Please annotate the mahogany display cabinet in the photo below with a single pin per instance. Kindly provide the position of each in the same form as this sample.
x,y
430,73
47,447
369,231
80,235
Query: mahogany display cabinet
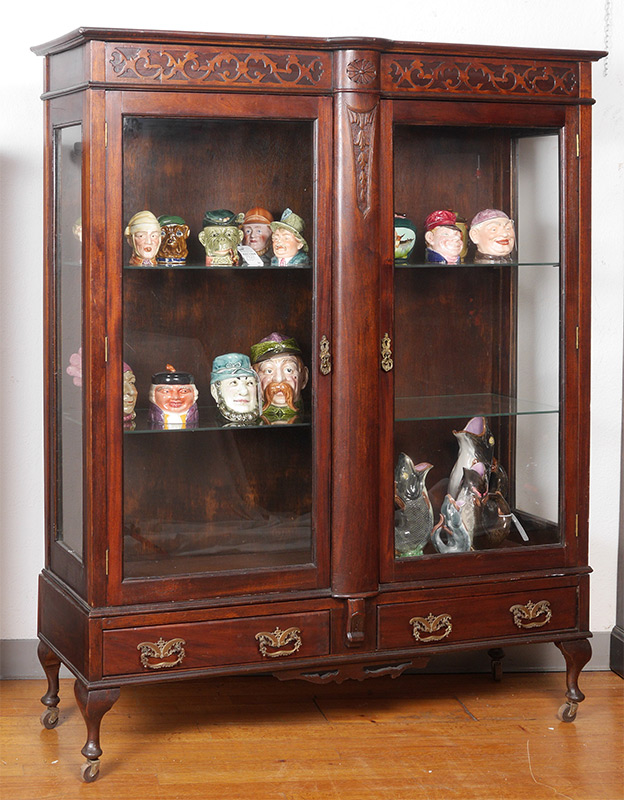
x,y
273,546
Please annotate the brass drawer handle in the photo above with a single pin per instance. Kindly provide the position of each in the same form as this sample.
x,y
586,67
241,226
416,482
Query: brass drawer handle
x,y
325,356
279,639
526,616
430,625
386,353
162,654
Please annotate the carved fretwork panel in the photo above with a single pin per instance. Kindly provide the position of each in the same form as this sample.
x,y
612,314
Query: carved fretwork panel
x,y
183,66
449,75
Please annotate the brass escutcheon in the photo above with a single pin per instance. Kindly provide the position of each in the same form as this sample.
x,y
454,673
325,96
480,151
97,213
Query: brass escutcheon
x,y
325,355
158,655
526,616
430,625
279,639
386,353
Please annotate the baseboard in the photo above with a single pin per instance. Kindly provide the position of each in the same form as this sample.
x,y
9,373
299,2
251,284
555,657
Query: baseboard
x,y
617,651
18,658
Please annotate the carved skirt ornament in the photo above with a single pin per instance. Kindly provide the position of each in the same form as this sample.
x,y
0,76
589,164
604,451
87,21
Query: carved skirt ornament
x,y
446,75
280,68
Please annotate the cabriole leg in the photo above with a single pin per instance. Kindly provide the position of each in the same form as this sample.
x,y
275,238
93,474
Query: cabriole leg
x,y
51,664
93,705
576,653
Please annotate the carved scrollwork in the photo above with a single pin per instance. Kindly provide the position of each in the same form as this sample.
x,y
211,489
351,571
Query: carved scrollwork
x,y
272,645
363,125
179,65
361,71
431,625
526,616
488,77
162,654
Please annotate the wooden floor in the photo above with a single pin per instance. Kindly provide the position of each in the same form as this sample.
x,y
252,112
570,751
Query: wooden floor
x,y
419,736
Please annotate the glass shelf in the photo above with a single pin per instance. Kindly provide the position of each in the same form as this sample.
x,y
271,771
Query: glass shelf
x,y
470,265
211,420
239,268
466,405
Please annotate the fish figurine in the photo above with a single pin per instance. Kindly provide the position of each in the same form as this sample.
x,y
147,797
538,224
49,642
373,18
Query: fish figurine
x,y
496,519
478,519
413,517
450,534
461,518
476,444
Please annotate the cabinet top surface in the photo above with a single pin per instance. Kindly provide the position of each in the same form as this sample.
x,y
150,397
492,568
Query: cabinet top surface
x,y
82,35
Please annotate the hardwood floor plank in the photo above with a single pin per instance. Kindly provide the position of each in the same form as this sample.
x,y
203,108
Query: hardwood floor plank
x,y
429,737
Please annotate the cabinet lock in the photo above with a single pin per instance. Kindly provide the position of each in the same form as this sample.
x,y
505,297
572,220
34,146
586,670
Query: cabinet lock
x,y
386,353
324,356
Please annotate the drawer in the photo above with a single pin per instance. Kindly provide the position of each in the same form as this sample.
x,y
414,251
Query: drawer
x,y
194,645
427,623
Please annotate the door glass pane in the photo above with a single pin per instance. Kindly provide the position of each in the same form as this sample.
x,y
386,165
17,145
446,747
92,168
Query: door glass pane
x,y
476,444
219,486
68,339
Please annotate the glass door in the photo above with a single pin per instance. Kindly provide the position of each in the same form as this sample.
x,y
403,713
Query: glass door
x,y
224,400
478,315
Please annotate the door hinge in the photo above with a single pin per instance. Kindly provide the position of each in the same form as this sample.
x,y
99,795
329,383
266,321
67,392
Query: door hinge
x,y
106,349
107,562
577,337
106,134
576,526
578,146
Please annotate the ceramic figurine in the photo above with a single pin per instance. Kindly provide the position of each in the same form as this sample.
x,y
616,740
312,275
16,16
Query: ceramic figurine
x,y
450,534
143,236
75,367
496,519
493,233
289,246
256,228
476,520
462,224
404,237
443,238
476,445
235,387
454,533
173,235
173,400
413,518
220,237
278,361
129,395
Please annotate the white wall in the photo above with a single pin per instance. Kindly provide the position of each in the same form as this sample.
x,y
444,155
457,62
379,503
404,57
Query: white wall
x,y
530,23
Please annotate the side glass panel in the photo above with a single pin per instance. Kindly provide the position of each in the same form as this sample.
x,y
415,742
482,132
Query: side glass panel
x,y
477,407
226,484
68,337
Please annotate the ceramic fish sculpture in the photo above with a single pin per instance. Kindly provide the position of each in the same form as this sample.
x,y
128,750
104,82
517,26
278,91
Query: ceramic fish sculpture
x,y
461,518
413,518
476,445
476,520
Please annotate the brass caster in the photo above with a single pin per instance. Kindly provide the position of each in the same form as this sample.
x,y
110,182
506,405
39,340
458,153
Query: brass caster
x,y
567,712
90,770
50,717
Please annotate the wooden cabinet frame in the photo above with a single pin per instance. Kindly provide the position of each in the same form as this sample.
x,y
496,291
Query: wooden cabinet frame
x,y
355,609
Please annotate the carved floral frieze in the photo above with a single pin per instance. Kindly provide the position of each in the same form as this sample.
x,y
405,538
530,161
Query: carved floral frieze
x,y
479,75
217,67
